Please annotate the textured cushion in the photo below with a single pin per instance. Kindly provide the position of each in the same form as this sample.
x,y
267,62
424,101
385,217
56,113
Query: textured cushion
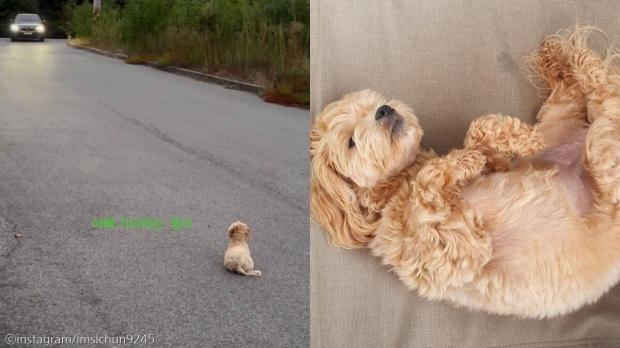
x,y
452,61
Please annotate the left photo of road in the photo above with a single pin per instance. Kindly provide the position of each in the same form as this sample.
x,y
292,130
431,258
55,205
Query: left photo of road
x,y
153,158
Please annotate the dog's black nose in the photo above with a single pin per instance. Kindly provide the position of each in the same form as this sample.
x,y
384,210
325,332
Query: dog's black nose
x,y
384,111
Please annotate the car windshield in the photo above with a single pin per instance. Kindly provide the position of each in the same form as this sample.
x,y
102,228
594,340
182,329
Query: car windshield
x,y
27,18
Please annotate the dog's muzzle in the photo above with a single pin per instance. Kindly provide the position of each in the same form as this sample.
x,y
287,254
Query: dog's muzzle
x,y
387,116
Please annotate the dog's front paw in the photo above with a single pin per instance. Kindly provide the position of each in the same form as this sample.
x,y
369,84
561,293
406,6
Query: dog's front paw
x,y
503,134
465,165
454,169
502,138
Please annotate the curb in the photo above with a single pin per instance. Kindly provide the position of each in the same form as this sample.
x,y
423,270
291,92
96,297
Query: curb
x,y
197,75
98,51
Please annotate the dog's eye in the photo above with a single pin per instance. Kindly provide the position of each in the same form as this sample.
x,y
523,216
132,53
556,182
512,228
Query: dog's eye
x,y
351,142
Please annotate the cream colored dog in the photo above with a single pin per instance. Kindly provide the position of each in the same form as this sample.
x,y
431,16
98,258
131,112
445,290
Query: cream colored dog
x,y
525,220
237,257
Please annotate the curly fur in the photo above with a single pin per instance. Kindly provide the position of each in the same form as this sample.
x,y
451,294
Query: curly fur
x,y
237,257
523,220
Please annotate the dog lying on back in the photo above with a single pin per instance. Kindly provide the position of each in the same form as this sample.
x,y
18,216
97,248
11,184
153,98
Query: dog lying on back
x,y
524,220
237,257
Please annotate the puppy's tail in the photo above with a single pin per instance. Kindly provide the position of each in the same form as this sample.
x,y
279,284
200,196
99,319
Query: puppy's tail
x,y
255,273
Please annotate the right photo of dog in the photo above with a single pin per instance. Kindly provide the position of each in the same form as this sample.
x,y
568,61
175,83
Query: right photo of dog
x,y
465,174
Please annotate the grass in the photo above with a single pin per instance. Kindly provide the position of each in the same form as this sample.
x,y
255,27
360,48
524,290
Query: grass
x,y
265,42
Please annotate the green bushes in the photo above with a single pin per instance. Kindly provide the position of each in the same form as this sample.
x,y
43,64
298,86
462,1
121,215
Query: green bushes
x,y
143,23
80,24
106,29
102,31
262,41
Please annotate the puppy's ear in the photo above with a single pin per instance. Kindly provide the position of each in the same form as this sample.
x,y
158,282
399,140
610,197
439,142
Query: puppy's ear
x,y
333,204
232,229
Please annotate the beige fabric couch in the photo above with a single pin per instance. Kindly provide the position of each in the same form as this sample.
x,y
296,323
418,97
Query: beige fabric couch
x,y
452,61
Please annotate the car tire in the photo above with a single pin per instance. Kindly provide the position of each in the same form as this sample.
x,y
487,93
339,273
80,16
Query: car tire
x,y
41,39
13,39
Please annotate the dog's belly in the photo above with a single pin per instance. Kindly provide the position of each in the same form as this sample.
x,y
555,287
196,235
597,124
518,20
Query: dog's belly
x,y
539,193
546,253
536,205
567,159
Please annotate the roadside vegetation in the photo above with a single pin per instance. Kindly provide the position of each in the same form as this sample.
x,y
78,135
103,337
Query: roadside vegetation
x,y
266,42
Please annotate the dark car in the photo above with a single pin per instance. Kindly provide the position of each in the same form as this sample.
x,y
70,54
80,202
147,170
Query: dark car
x,y
27,26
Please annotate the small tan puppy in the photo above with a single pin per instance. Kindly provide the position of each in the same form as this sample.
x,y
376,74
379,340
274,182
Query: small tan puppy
x,y
237,257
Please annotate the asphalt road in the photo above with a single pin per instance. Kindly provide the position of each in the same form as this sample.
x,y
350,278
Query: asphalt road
x,y
85,136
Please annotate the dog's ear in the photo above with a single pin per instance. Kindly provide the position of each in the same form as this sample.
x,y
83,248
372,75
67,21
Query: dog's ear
x,y
334,206
231,229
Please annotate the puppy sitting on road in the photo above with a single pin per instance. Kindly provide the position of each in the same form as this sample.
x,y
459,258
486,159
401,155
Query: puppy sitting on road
x,y
237,257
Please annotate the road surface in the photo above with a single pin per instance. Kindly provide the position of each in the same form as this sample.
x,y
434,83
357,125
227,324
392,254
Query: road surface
x,y
85,136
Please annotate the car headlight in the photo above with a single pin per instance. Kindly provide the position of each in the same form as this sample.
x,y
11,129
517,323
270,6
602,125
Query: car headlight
x,y
14,28
40,28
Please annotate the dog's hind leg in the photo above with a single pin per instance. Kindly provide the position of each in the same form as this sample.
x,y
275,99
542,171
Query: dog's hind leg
x,y
548,64
563,114
602,150
602,161
597,79
255,273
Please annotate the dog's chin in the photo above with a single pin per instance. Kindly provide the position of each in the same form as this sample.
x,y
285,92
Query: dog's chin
x,y
406,146
401,154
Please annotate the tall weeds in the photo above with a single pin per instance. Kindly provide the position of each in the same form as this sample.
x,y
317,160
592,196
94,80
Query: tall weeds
x,y
262,41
